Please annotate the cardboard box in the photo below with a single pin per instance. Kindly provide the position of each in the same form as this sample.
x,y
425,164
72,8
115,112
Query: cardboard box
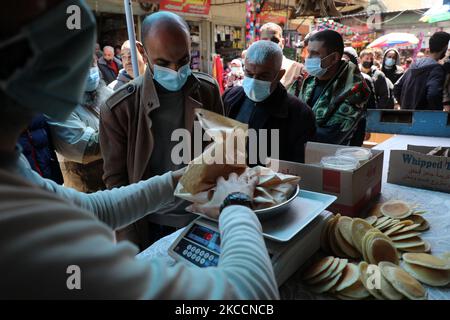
x,y
414,168
355,190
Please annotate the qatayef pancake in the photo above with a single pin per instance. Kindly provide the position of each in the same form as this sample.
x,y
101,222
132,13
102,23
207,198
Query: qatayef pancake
x,y
318,267
380,248
371,219
332,240
387,290
432,277
341,266
366,237
356,290
359,229
391,224
345,227
343,297
347,248
406,222
349,276
425,247
426,260
402,281
393,229
396,209
424,225
406,235
380,221
324,243
409,243
407,228
325,285
364,277
325,274
385,224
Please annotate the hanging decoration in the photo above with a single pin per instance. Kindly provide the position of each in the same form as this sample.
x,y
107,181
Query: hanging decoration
x,y
326,24
253,21
257,19
249,26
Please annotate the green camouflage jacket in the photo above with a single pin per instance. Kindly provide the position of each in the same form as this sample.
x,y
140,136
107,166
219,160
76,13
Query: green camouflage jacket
x,y
343,99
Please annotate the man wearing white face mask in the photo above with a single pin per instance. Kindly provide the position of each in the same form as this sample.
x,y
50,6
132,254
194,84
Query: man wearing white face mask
x,y
263,103
137,122
335,89
76,138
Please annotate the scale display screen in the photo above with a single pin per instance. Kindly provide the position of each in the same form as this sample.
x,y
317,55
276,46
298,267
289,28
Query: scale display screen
x,y
204,236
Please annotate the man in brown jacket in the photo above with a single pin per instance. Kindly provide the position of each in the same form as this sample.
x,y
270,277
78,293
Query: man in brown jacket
x,y
137,122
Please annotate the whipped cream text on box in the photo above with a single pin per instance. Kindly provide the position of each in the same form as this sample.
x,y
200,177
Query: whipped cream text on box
x,y
440,164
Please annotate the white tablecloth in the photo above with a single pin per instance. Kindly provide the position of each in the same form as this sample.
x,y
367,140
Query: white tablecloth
x,y
436,203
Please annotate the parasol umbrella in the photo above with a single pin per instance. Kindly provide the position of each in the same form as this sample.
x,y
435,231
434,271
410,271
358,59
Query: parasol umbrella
x,y
394,39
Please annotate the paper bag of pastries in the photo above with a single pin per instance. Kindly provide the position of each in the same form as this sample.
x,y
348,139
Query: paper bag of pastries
x,y
227,154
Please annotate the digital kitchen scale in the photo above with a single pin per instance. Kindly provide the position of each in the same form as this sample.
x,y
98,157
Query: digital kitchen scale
x,y
291,237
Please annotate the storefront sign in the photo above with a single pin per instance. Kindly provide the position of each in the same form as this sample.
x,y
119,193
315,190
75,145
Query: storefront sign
x,y
186,6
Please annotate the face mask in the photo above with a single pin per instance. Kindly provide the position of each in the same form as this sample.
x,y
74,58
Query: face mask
x,y
93,79
389,62
52,81
256,90
367,64
170,79
235,69
314,67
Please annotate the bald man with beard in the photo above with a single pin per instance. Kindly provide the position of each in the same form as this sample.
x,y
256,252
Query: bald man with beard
x,y
137,122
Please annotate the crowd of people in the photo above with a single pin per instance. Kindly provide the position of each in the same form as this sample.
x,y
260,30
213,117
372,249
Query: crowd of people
x,y
112,133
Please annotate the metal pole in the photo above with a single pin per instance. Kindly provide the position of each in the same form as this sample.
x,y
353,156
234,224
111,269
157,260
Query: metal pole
x,y
131,36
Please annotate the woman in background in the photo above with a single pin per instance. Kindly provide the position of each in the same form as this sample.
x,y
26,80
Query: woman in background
x,y
236,75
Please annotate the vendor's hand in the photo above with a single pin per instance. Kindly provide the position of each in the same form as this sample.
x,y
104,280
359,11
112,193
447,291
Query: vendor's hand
x,y
242,184
176,175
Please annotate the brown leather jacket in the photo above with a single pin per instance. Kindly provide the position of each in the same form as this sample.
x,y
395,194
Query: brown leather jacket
x,y
126,138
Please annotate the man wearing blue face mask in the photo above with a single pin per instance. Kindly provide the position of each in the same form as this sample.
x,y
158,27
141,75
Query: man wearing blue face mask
x,y
137,122
335,89
76,138
263,103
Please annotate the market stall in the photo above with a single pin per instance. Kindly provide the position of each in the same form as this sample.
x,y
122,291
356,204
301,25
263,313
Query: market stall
x,y
433,206
300,213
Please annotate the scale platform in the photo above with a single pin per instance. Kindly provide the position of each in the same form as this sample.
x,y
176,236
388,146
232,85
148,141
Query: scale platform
x,y
291,237
301,211
304,209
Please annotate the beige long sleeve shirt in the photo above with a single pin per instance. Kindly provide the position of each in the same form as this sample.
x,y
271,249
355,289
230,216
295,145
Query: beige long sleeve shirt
x,y
45,229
